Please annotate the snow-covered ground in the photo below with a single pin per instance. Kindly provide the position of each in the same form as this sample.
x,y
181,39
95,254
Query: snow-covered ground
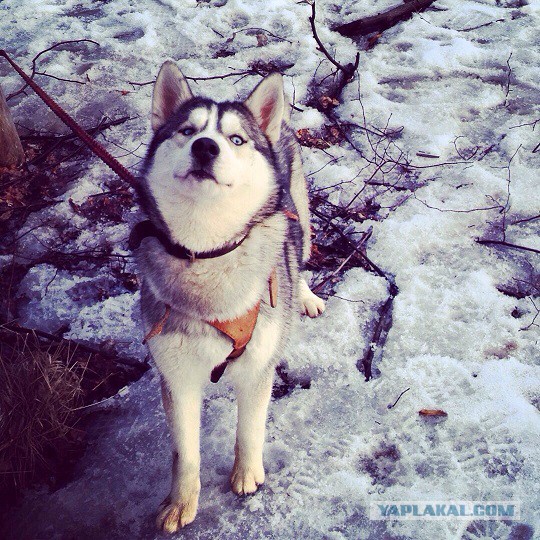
x,y
462,81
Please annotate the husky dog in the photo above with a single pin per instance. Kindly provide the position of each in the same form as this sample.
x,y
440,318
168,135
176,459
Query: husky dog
x,y
219,257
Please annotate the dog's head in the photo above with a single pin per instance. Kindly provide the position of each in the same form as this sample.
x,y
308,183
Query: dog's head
x,y
211,160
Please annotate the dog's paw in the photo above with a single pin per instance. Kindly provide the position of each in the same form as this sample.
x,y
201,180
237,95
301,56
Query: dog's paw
x,y
177,514
310,303
246,479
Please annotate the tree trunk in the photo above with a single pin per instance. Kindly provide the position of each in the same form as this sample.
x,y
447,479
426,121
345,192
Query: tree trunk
x,y
11,150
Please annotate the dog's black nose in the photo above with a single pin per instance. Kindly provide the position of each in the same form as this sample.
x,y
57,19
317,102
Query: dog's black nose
x,y
205,150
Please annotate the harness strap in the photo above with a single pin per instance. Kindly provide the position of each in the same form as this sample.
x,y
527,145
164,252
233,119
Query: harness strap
x,y
239,330
273,288
158,327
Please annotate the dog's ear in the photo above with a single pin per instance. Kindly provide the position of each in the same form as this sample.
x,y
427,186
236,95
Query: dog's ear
x,y
170,91
267,104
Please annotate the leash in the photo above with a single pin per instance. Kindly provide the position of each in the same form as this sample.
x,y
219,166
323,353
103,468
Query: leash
x,y
96,147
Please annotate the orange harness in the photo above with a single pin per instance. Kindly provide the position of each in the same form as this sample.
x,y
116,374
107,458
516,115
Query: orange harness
x,y
239,330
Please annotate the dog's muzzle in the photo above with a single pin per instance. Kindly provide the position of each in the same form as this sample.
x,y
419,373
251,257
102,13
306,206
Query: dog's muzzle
x,y
204,150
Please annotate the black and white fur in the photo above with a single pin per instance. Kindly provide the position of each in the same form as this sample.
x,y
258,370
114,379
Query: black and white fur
x,y
214,174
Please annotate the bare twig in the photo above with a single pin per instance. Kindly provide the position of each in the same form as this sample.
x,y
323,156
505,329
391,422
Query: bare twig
x,y
479,26
524,220
533,124
251,71
45,74
459,211
508,79
533,322
255,29
211,78
35,59
403,160
365,237
392,405
59,139
507,244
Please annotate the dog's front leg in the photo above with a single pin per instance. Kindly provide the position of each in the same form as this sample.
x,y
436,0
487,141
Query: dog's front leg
x,y
253,393
182,396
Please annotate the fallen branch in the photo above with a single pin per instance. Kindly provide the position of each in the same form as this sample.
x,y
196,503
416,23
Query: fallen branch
x,y
211,78
384,322
382,21
404,160
507,244
533,124
35,136
459,211
380,333
57,140
347,71
365,237
57,339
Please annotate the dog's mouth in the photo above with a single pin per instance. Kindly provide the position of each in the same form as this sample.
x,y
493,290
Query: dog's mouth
x,y
201,174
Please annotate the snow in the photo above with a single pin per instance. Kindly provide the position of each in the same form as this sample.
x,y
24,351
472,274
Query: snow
x,y
455,342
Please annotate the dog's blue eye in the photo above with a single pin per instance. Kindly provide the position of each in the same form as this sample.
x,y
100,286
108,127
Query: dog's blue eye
x,y
236,139
187,131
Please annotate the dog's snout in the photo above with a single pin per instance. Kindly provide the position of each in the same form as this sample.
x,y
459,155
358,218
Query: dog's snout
x,y
205,149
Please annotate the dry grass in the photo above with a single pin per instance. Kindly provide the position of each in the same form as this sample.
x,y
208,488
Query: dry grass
x,y
40,390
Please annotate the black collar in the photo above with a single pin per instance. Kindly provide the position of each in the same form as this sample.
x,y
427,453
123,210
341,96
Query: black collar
x,y
146,229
